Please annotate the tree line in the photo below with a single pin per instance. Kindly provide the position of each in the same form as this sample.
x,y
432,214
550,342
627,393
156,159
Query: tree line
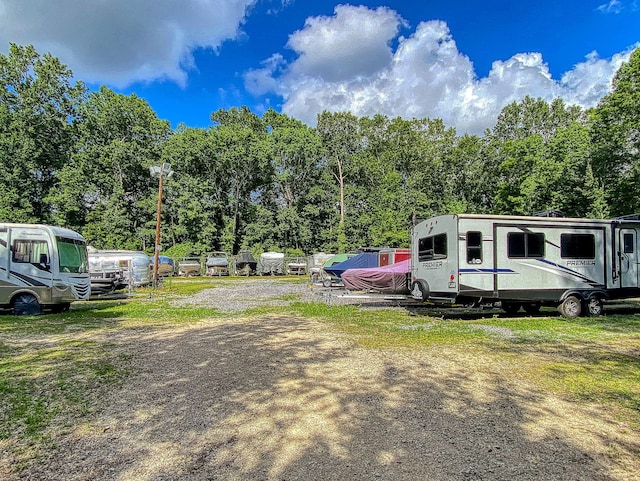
x,y
81,159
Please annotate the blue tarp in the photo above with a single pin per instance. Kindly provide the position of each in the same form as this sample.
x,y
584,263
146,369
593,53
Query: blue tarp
x,y
360,261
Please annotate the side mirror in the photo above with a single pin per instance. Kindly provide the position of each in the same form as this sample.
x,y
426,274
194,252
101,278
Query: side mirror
x,y
44,259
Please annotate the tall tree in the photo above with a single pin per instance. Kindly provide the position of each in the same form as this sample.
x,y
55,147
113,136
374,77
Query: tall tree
x,y
119,137
243,153
616,138
38,104
340,138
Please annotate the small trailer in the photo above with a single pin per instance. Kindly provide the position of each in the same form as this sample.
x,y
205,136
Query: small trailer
x,y
115,269
570,263
41,267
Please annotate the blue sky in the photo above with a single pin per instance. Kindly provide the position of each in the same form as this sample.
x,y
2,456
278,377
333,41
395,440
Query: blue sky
x,y
461,61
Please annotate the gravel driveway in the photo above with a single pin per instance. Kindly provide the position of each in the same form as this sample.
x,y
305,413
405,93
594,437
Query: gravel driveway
x,y
284,398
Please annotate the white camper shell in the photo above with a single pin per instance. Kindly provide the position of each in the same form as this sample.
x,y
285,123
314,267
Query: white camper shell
x,y
41,267
527,262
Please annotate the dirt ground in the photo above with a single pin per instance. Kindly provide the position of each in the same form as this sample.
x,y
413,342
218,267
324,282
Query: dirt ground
x,y
284,398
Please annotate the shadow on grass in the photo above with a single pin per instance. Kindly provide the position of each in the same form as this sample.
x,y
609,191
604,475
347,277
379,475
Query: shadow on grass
x,y
268,398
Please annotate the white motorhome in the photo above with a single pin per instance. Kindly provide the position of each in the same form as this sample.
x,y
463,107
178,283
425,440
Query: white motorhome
x,y
41,267
574,264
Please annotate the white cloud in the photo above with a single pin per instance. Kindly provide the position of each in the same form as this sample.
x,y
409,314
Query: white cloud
x,y
354,42
119,42
613,6
426,75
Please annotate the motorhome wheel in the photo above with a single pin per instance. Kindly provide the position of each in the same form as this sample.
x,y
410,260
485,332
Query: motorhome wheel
x,y
571,307
26,305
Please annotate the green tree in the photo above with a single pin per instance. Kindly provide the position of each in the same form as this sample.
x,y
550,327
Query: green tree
x,y
340,139
196,199
119,137
615,135
242,151
38,104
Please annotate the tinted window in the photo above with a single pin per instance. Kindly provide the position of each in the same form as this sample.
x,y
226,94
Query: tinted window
x,y
577,246
474,247
525,244
628,243
433,247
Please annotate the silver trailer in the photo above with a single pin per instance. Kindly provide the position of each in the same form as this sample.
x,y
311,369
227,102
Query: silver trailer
x,y
573,264
41,267
133,268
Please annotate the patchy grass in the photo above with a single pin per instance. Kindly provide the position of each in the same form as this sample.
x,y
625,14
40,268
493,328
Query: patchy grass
x,y
49,375
591,359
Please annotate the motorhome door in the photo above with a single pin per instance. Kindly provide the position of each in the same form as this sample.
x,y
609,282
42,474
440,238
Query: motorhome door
x,y
628,257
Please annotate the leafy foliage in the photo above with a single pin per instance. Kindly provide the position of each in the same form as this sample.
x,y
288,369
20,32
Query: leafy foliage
x,y
271,182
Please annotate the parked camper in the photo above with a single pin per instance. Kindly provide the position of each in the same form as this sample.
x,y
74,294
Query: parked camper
x,y
574,264
132,268
41,267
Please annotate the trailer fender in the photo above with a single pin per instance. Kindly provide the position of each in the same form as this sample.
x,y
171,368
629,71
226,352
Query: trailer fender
x,y
420,290
585,295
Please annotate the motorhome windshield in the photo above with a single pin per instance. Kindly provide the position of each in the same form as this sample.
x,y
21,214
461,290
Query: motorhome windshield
x,y
73,255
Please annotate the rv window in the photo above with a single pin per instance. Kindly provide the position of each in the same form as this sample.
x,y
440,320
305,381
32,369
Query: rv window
x,y
434,247
628,243
577,246
28,251
525,244
474,247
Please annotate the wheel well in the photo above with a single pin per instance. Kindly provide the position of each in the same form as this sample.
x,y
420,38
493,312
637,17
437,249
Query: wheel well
x,y
21,292
585,295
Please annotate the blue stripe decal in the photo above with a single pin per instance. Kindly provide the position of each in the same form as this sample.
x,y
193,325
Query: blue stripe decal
x,y
487,271
570,271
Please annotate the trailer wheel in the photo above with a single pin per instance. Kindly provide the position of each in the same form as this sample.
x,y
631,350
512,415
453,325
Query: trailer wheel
x,y
26,305
595,307
571,307
511,308
532,307
420,290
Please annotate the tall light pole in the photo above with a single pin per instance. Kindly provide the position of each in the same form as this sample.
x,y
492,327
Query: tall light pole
x,y
161,172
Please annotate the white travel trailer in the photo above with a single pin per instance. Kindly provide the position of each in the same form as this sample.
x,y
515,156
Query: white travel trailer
x,y
574,264
41,267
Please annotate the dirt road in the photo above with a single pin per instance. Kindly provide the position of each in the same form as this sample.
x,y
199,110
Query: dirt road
x,y
283,398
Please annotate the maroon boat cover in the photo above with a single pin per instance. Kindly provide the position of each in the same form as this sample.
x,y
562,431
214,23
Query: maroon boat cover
x,y
387,279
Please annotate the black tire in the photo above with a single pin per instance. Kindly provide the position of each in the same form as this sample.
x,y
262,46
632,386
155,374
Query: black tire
x,y
326,283
26,305
594,307
510,307
571,307
420,290
531,307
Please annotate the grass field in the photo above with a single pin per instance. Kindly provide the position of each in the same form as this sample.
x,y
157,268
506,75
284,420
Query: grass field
x,y
52,372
